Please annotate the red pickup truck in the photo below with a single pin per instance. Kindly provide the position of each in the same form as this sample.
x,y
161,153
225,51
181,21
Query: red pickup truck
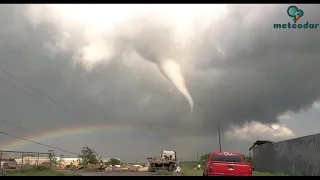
x,y
226,164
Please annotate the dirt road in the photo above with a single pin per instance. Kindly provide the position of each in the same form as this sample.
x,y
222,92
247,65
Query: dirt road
x,y
111,173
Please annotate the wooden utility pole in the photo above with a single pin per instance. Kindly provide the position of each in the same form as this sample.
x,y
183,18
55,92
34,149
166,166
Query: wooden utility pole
x,y
219,137
197,157
1,166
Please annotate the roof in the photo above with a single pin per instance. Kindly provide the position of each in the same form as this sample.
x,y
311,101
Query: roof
x,y
257,143
70,159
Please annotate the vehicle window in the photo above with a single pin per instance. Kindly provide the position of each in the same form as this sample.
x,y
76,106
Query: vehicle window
x,y
226,158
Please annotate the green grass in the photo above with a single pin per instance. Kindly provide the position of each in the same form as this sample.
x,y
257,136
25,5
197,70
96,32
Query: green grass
x,y
256,173
196,172
37,173
163,173
191,172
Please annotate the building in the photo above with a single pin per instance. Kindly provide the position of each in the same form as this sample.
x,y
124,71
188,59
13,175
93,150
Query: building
x,y
31,159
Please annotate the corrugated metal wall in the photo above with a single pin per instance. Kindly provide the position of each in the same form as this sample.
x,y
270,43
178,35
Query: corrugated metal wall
x,y
300,156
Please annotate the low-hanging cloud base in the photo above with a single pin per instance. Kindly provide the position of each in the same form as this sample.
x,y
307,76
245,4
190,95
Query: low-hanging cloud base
x,y
96,60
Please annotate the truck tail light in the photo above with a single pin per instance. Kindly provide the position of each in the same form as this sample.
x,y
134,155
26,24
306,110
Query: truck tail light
x,y
211,167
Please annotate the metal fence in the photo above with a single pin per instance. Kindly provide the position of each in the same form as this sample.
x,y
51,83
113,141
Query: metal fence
x,y
23,161
300,156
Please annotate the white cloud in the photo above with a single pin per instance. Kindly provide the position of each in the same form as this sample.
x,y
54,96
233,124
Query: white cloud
x,y
256,131
92,32
284,117
316,105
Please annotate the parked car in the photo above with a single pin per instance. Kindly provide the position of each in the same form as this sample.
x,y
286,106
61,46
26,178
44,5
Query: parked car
x,y
226,164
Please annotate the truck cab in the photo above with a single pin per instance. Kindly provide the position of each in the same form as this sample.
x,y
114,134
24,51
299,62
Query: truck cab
x,y
168,155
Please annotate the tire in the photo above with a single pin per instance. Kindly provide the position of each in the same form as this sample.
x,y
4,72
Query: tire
x,y
204,173
170,168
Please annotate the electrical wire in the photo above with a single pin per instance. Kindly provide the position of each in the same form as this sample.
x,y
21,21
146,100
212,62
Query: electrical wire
x,y
35,97
34,89
18,137
20,127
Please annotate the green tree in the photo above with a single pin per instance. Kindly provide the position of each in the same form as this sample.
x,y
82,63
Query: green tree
x,y
61,160
52,158
204,158
88,155
113,162
246,158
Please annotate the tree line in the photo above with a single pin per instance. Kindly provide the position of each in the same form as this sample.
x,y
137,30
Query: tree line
x,y
86,156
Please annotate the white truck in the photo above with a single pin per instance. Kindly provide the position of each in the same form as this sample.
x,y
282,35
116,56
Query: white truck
x,y
166,161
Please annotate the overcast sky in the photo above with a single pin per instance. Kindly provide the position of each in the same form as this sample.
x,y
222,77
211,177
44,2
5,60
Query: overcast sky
x,y
97,61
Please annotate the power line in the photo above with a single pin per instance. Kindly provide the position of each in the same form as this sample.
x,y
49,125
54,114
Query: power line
x,y
35,97
20,127
34,89
38,143
26,129
31,95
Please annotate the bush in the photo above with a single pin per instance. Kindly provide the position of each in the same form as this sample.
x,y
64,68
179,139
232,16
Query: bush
x,y
41,168
113,162
204,158
246,158
34,168
88,156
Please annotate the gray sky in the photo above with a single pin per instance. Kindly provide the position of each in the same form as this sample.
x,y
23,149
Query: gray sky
x,y
97,62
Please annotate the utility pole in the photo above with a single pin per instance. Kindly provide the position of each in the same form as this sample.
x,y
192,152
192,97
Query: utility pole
x,y
197,157
219,137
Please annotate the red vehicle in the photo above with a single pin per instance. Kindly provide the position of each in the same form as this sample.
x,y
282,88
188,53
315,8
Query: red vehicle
x,y
226,164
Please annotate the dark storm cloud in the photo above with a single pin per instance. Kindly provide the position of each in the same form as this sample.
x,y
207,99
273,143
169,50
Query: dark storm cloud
x,y
266,71
263,73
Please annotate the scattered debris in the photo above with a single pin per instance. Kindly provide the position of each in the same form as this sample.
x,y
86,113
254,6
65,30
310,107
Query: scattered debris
x,y
143,169
79,167
108,169
49,165
127,167
100,166
178,170
166,161
124,169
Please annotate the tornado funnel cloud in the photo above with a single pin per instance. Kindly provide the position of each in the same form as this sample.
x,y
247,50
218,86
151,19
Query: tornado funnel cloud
x,y
171,70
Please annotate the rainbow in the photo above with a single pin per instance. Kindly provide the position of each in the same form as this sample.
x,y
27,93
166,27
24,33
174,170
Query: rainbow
x,y
65,131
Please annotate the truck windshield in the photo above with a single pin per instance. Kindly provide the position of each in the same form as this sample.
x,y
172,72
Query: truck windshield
x,y
226,158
